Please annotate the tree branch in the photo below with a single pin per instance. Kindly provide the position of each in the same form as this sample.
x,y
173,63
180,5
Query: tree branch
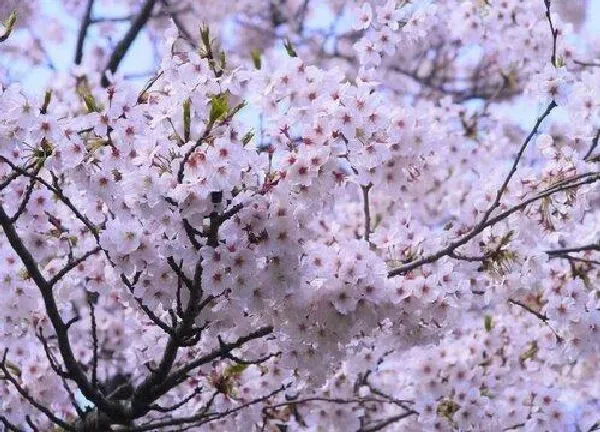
x,y
204,417
178,376
7,375
124,44
61,329
553,30
589,247
454,245
366,211
83,29
486,221
9,426
72,264
588,154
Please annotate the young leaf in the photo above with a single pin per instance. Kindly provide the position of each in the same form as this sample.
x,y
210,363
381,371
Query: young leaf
x,y
290,48
218,108
256,59
9,24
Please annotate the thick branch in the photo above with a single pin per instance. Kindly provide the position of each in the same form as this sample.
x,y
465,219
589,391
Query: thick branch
x,y
146,391
9,426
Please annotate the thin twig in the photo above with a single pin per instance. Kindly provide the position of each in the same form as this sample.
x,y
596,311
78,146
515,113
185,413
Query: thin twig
x,y
366,211
72,264
593,146
553,30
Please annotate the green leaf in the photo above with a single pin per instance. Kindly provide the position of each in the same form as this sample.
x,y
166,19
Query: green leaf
x,y
290,48
218,108
205,35
487,323
9,25
256,58
235,369
90,103
248,137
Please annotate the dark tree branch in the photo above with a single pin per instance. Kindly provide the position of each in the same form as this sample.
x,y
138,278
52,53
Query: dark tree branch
x,y
553,30
367,211
588,154
179,375
148,86
9,426
83,29
238,360
515,164
229,213
182,402
204,417
14,175
27,195
53,363
485,220
183,32
179,272
71,265
589,247
57,191
94,334
7,376
501,216
586,64
61,329
31,424
151,315
537,314
146,391
124,44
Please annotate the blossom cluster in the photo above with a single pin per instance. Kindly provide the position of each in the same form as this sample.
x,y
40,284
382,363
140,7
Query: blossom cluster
x,y
281,242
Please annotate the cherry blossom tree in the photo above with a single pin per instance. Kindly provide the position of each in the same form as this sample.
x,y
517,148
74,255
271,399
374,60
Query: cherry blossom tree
x,y
317,215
